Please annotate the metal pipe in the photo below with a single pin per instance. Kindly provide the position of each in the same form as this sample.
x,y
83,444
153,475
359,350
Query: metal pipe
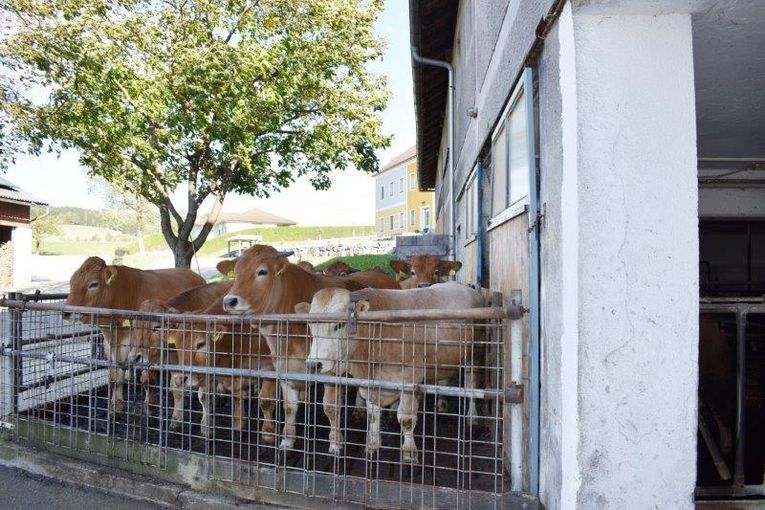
x,y
434,389
16,365
516,412
480,233
510,312
738,472
450,154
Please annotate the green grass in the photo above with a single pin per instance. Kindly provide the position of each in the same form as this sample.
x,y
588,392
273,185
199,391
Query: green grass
x,y
269,235
104,249
364,262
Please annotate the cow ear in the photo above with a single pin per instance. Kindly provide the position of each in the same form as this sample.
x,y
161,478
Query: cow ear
x,y
400,267
450,267
109,274
281,265
362,306
226,267
303,307
219,332
343,273
126,323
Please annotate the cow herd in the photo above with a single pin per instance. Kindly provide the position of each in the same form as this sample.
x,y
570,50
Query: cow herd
x,y
264,281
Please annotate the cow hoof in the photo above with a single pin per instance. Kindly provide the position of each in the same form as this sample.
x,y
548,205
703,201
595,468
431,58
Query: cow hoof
x,y
205,429
268,437
442,405
287,443
410,456
335,449
176,425
372,448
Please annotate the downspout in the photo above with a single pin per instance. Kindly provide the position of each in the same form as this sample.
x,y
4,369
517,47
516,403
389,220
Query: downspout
x,y
480,233
450,154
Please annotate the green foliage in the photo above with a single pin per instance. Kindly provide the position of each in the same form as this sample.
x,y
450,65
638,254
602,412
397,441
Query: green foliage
x,y
363,262
238,96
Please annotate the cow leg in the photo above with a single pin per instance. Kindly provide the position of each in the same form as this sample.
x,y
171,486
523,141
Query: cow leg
x,y
148,381
204,398
359,407
237,419
442,405
373,428
267,402
407,419
472,382
177,383
116,381
332,410
291,403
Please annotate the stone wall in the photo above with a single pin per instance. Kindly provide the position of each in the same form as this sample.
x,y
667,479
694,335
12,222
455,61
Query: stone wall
x,y
6,265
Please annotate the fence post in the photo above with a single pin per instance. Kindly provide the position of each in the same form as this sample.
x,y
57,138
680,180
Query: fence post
x,y
15,365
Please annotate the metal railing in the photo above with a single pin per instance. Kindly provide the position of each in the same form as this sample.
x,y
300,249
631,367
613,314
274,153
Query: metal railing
x,y
735,484
261,418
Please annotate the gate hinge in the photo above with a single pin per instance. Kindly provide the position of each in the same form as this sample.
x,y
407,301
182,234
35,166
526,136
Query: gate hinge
x,y
353,326
514,394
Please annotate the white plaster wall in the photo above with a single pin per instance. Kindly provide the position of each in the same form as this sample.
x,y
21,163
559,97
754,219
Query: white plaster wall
x,y
22,257
637,262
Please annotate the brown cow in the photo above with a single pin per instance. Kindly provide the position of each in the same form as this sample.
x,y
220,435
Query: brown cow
x,y
97,285
424,269
339,268
146,343
266,282
224,346
307,266
374,278
401,358
226,267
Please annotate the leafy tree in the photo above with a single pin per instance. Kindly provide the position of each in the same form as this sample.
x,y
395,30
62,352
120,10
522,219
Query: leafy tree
x,y
130,214
205,96
44,225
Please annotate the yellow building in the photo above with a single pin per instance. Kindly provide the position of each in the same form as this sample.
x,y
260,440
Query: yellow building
x,y
400,206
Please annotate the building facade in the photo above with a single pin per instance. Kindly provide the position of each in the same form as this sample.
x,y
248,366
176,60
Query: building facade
x,y
16,235
400,206
586,143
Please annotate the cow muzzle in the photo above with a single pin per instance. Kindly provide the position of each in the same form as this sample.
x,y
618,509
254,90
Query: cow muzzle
x,y
234,303
313,365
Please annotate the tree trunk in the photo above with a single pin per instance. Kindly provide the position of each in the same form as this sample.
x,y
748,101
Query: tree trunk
x,y
183,253
139,238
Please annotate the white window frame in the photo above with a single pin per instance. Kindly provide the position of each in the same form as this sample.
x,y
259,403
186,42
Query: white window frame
x,y
390,221
471,207
412,181
412,217
402,219
424,208
382,192
382,224
521,204
401,187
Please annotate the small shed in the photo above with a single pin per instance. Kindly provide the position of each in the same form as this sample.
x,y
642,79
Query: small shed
x,y
15,235
228,222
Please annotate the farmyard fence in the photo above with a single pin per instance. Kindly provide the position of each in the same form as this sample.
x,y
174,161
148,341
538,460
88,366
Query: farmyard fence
x,y
226,412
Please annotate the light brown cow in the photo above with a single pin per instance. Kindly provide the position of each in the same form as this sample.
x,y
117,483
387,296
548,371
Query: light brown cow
x,y
424,269
339,268
392,352
146,342
266,282
224,346
374,278
96,284
226,267
307,266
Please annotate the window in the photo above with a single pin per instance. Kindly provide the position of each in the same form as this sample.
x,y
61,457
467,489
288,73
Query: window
x,y
412,181
390,189
391,221
382,192
425,218
510,158
401,216
382,224
412,217
401,185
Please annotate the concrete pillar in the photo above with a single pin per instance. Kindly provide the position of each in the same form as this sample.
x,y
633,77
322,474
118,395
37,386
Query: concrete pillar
x,y
620,345
22,257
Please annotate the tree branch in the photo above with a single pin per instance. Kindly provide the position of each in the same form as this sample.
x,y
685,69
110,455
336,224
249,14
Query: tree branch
x,y
209,223
239,20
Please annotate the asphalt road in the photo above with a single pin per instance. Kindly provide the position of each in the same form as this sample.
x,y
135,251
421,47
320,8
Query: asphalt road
x,y
22,491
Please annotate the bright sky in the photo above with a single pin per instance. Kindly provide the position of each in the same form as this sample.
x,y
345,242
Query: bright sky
x,y
350,201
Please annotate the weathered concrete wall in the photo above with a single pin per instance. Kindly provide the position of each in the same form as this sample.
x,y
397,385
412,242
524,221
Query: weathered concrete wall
x,y
638,277
22,256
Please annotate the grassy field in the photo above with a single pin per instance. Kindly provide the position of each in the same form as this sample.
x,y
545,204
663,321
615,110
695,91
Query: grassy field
x,y
363,262
95,241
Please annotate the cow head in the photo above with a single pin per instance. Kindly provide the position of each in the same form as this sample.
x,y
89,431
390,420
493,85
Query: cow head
x,y
306,266
257,273
92,284
331,344
424,269
147,334
339,268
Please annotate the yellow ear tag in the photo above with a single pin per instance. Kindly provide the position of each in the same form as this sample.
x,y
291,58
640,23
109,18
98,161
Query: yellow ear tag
x,y
126,323
171,340
452,272
217,336
280,271
401,274
109,280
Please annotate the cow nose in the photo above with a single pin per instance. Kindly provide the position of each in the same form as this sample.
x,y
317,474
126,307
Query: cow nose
x,y
137,358
313,365
230,302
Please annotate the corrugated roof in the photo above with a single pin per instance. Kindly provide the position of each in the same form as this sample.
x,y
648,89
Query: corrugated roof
x,y
11,192
431,25
404,156
252,215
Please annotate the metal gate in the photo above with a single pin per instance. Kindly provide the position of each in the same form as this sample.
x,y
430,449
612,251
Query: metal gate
x,y
62,390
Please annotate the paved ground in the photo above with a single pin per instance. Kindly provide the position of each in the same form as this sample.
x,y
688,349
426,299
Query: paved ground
x,y
22,491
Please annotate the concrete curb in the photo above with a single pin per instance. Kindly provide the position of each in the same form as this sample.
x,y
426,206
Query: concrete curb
x,y
115,481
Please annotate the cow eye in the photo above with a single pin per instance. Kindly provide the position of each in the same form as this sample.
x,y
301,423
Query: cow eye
x,y
155,328
93,285
437,272
199,345
262,272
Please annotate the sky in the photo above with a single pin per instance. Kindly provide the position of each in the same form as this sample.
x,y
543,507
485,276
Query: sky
x,y
62,181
